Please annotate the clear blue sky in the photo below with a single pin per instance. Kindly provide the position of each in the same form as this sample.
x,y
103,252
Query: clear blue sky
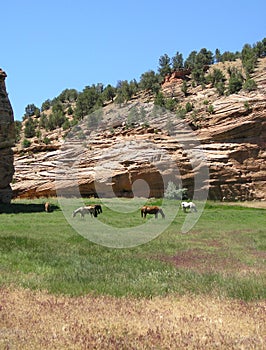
x,y
50,45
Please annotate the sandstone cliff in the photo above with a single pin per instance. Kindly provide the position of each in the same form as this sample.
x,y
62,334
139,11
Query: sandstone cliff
x,y
231,135
6,142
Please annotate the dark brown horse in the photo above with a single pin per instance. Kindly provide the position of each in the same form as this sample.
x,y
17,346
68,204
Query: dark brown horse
x,y
151,210
98,208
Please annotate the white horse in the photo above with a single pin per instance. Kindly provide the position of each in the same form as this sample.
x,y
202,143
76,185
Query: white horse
x,y
90,209
188,205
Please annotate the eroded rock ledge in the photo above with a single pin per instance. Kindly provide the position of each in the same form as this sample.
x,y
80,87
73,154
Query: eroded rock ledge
x,y
233,140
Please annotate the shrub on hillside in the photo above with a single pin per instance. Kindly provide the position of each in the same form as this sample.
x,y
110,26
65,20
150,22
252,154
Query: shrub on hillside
x,y
250,85
26,143
172,192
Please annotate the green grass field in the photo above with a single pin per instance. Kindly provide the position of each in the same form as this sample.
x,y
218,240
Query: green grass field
x,y
223,255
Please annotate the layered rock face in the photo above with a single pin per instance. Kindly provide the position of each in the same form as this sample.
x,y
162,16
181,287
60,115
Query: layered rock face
x,y
6,142
108,160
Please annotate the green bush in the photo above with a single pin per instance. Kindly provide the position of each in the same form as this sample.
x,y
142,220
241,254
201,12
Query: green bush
x,y
170,104
29,130
66,125
189,107
220,88
26,143
181,112
247,106
210,109
235,81
159,99
250,85
46,140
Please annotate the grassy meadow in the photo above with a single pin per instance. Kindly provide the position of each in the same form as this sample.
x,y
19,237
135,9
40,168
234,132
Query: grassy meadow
x,y
222,256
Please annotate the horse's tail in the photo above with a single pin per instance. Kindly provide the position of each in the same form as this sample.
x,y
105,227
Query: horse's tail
x,y
141,211
193,207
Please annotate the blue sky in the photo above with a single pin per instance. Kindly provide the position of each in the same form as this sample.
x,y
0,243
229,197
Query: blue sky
x,y
50,45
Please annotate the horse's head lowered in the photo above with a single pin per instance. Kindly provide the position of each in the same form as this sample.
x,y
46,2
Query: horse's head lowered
x,y
151,210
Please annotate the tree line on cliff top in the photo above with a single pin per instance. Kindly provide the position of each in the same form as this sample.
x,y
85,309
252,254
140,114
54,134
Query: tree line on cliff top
x,y
80,104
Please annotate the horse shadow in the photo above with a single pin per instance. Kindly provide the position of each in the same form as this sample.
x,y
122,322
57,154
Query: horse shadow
x,y
16,208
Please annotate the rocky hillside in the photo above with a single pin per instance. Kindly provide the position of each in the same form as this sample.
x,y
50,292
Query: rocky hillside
x,y
134,141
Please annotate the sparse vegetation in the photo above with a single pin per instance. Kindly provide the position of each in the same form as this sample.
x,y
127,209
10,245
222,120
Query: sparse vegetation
x,y
189,107
247,106
181,112
80,104
46,140
210,109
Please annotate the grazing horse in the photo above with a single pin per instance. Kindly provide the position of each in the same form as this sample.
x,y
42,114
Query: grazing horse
x,y
47,207
90,209
151,210
98,208
188,205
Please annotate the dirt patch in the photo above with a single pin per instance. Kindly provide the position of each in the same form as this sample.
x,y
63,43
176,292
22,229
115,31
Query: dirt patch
x,y
206,262
34,320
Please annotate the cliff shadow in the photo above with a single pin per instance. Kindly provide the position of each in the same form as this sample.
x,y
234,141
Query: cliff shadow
x,y
16,208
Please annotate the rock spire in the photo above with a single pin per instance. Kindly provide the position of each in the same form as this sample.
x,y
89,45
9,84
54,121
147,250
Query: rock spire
x,y
6,142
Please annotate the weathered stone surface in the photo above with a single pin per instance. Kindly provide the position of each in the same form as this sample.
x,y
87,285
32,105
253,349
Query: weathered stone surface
x,y
233,139
6,142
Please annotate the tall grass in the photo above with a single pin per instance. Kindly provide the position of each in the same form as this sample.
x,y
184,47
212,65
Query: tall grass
x,y
223,255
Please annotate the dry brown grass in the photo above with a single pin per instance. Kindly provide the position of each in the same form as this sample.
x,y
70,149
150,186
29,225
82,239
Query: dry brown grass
x,y
35,320
248,204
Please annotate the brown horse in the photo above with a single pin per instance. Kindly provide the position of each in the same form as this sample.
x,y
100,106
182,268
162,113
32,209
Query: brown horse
x,y
151,210
47,207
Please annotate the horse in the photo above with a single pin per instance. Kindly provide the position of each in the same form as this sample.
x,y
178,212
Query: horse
x,y
90,209
188,205
98,208
151,210
47,207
